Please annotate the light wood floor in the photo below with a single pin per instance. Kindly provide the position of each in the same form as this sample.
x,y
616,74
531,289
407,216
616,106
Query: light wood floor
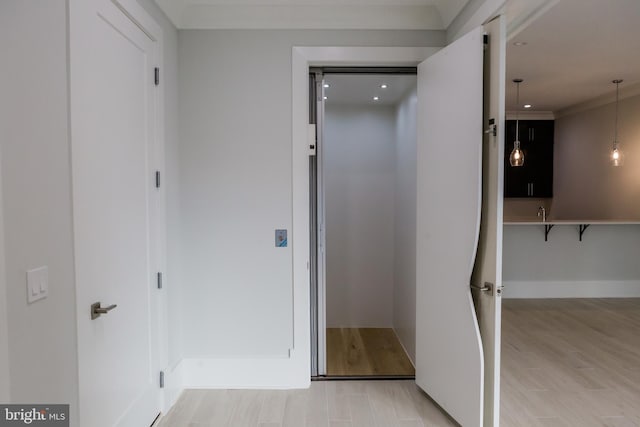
x,y
571,362
366,351
327,403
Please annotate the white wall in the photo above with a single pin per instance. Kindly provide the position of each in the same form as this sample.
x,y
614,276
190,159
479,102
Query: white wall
x,y
585,185
359,172
404,295
37,200
604,264
235,162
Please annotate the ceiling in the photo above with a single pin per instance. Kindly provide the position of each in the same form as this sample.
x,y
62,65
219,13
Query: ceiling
x,y
312,14
358,89
573,52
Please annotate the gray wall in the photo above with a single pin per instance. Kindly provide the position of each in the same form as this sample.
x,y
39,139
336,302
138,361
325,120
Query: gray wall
x,y
359,173
585,184
404,293
235,163
37,200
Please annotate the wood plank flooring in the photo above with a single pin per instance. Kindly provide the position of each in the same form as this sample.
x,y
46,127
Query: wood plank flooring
x,y
327,403
571,362
365,351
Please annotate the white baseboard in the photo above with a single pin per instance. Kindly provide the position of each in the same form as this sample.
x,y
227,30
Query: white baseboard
x,y
247,373
571,289
173,386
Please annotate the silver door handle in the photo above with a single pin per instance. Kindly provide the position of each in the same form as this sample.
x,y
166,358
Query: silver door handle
x,y
97,311
484,288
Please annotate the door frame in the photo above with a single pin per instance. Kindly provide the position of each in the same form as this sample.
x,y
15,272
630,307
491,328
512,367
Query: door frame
x,y
304,58
147,24
317,188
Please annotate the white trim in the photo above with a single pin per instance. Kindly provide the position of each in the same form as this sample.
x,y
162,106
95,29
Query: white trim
x,y
302,58
173,385
572,289
142,19
530,115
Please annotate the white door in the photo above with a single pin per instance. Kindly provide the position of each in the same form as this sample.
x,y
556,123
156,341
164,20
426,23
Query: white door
x,y
450,361
487,272
113,112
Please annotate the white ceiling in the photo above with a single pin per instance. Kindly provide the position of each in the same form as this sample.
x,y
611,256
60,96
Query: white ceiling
x,y
573,52
312,14
354,89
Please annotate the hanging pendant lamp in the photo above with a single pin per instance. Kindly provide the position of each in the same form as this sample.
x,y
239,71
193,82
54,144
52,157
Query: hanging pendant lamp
x,y
517,155
616,154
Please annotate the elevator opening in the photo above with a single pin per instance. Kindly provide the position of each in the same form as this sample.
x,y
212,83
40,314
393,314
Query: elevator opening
x,y
363,204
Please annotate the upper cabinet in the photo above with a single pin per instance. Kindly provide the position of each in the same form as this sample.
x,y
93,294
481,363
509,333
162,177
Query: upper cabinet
x,y
535,177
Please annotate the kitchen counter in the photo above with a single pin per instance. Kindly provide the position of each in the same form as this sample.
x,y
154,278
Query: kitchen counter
x,y
524,221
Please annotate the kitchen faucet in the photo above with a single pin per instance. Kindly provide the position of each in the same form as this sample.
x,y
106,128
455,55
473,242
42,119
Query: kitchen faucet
x,y
542,212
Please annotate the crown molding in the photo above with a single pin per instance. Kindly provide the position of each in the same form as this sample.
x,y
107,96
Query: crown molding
x,y
302,17
530,115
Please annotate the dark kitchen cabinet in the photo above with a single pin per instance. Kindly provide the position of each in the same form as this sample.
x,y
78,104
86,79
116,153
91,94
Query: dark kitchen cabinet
x,y
535,177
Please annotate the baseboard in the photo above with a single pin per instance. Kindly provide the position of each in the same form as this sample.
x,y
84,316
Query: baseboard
x,y
173,385
247,373
572,289
413,363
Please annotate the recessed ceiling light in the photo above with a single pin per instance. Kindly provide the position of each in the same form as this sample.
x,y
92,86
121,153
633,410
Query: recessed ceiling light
x,y
527,106
520,44
383,86
375,98
325,98
326,85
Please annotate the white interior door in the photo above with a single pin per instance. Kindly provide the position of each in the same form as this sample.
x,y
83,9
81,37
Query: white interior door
x,y
449,356
113,110
487,272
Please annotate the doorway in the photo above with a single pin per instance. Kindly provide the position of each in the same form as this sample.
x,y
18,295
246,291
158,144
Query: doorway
x,y
363,186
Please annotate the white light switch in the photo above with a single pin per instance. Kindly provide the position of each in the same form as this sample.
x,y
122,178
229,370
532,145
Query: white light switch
x,y
37,284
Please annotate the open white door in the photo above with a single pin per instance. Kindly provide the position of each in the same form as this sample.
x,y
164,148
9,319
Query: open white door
x,y
450,363
487,273
116,214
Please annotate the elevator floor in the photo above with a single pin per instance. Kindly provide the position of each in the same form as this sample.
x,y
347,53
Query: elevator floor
x,y
366,352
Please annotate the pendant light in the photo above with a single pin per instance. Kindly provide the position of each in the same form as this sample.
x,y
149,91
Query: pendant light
x,y
616,154
517,156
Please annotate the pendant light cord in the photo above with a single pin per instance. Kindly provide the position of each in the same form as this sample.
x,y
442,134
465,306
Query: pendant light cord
x,y
615,138
518,109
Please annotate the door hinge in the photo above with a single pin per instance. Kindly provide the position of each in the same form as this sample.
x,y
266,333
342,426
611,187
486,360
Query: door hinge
x,y
485,39
161,379
156,76
159,280
157,179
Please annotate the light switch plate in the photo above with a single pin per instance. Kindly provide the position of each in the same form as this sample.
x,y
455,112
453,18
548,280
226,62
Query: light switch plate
x,y
37,284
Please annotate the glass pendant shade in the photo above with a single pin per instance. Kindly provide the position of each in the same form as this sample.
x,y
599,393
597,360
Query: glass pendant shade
x,y
616,157
517,156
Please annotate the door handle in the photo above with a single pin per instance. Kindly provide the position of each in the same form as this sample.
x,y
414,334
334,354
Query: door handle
x,y
484,288
97,311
